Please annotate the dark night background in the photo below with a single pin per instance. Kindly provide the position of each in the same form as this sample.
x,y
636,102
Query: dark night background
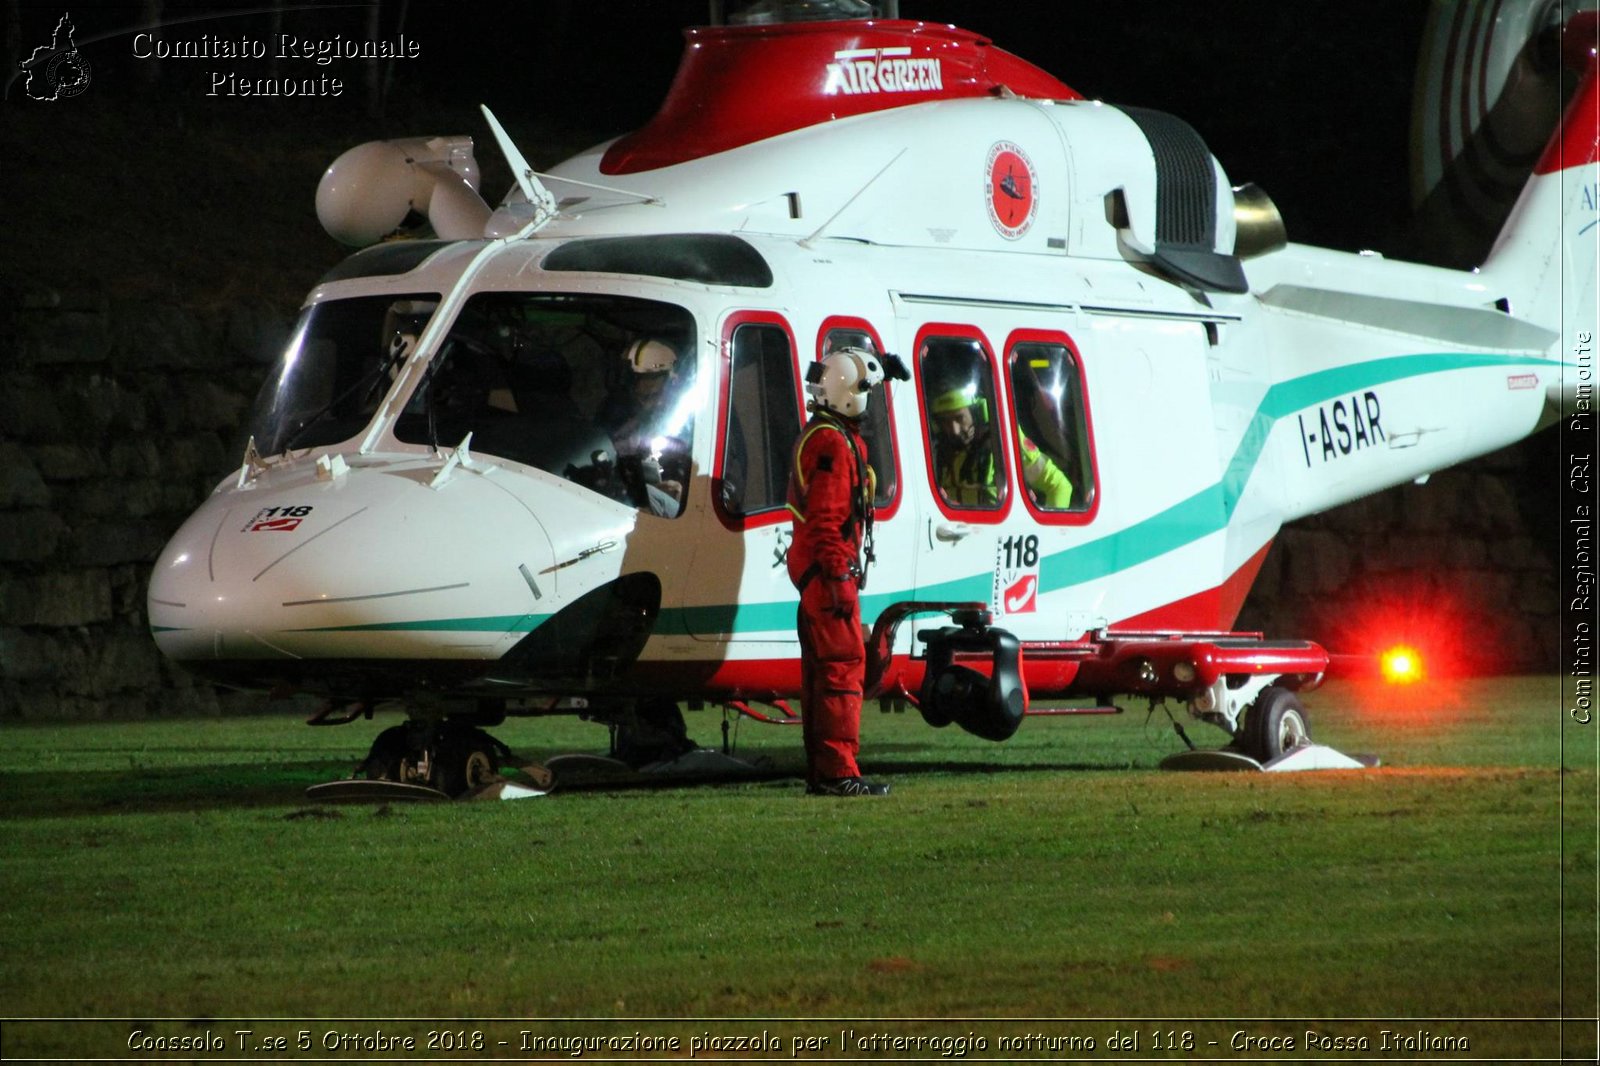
x,y
1311,100
157,242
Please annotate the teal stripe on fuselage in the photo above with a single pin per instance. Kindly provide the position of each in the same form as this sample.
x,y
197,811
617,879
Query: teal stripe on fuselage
x,y
1200,515
728,618
1211,509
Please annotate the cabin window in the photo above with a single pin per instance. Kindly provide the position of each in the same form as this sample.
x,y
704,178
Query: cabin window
x,y
958,395
763,421
876,427
1051,427
338,366
599,390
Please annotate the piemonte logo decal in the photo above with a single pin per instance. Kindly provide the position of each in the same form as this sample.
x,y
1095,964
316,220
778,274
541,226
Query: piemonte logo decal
x,y
1010,188
57,70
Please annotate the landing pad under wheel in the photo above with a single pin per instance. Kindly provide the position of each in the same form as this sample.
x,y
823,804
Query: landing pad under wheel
x,y
1303,757
361,790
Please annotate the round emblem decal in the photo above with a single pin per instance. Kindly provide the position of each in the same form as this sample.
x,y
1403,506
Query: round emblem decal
x,y
1012,198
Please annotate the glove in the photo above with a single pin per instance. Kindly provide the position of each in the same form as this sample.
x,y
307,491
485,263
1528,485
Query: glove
x,y
841,592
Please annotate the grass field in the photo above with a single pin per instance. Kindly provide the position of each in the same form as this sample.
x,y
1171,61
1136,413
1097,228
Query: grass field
x,y
172,870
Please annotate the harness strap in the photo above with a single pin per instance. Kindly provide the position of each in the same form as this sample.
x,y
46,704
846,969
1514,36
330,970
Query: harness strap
x,y
864,489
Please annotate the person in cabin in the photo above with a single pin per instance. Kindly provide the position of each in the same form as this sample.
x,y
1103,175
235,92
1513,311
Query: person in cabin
x,y
967,455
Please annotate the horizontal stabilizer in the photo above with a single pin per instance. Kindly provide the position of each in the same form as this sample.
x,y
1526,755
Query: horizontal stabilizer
x,y
1458,326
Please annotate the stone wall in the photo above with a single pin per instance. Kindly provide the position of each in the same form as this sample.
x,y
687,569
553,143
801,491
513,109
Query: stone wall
x,y
116,420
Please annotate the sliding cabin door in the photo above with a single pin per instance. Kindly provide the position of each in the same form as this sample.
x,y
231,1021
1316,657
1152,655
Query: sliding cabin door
x,y
738,590
1011,485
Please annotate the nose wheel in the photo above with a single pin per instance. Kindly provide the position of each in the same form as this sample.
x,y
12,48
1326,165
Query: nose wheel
x,y
452,757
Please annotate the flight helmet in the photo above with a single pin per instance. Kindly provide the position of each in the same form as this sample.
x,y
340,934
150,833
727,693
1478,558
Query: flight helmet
x,y
650,356
842,380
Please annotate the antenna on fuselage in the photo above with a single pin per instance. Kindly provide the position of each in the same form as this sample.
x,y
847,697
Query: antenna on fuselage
x,y
543,203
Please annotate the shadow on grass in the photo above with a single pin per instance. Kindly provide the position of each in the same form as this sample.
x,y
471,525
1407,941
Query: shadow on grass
x,y
600,780
954,768
95,792
71,793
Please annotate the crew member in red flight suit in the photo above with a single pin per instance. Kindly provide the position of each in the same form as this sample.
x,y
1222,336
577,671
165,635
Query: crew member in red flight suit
x,y
830,495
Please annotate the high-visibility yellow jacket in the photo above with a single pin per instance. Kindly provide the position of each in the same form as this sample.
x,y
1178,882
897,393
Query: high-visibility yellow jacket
x,y
967,476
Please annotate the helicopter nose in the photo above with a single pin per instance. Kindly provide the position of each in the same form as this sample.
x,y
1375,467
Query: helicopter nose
x,y
372,564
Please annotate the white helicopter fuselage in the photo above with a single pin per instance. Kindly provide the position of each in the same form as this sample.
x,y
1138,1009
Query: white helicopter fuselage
x,y
386,563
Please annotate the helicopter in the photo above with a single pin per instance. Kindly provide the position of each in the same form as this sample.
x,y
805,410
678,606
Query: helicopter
x,y
530,458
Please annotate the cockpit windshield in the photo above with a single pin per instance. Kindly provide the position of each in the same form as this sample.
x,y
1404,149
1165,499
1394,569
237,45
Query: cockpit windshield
x,y
596,389
338,365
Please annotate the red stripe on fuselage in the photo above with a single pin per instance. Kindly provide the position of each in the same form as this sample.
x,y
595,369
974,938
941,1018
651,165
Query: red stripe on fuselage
x,y
1213,610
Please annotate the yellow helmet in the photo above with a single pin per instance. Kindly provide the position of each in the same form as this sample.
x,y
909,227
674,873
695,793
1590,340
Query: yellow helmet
x,y
953,400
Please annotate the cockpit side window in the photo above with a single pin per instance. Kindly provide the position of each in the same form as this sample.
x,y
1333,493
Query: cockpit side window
x,y
597,389
762,421
1052,428
877,425
336,369
964,422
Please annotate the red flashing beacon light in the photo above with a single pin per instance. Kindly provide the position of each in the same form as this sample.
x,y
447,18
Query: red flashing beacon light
x,y
1401,665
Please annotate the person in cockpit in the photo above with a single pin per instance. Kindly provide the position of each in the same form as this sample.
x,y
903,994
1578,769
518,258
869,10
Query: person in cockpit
x,y
639,419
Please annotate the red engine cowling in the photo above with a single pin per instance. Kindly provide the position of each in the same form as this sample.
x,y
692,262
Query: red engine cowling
x,y
740,84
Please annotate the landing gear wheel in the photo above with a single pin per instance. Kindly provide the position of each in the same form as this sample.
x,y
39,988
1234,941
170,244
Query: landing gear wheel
x,y
1275,723
465,759
388,752
450,756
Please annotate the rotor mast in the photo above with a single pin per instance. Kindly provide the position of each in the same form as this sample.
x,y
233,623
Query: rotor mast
x,y
801,10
